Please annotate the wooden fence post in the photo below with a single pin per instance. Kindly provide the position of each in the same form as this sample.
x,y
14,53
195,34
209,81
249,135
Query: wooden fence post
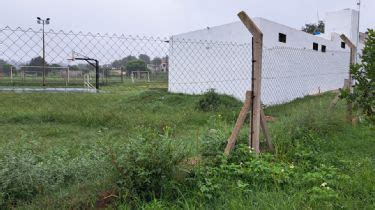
x,y
122,74
337,97
353,54
240,120
257,50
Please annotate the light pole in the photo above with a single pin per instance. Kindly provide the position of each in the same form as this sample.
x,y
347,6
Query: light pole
x,y
43,22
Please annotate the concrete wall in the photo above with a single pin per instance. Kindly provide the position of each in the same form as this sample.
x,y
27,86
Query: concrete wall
x,y
343,22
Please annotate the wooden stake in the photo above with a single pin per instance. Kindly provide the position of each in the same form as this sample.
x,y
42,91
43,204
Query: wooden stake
x,y
266,133
240,121
337,97
353,54
257,47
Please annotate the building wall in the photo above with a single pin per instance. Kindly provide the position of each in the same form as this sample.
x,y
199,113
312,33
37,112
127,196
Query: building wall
x,y
223,63
343,22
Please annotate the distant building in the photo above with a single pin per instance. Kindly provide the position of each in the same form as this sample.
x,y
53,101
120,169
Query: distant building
x,y
220,58
162,67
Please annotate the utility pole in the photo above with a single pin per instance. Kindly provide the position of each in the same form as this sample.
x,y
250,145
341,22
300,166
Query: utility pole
x,y
43,22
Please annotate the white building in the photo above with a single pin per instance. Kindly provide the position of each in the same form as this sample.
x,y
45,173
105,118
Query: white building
x,y
295,63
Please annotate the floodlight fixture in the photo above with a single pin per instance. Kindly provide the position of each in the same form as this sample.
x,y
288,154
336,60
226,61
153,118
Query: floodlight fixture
x,y
43,22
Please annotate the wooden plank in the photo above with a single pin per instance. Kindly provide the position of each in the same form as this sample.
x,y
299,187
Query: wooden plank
x,y
257,50
249,24
240,121
266,133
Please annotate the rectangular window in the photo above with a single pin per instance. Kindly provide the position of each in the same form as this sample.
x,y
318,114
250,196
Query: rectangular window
x,y
324,48
315,46
343,45
282,38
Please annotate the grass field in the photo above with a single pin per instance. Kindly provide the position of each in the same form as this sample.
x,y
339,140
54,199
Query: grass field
x,y
119,149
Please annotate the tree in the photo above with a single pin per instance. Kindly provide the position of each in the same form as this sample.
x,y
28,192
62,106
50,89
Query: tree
x,y
37,61
4,67
364,76
3,62
122,62
135,65
314,28
144,58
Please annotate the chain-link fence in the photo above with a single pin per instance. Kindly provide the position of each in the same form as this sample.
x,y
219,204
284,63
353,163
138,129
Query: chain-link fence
x,y
287,73
189,66
290,73
118,55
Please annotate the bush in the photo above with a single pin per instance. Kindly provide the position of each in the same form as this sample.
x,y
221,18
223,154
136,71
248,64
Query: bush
x,y
210,101
24,173
148,168
364,77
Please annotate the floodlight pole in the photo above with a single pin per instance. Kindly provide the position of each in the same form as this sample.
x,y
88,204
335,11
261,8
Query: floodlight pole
x,y
44,59
43,22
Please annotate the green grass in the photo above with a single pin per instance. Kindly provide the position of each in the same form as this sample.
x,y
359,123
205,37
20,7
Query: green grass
x,y
62,143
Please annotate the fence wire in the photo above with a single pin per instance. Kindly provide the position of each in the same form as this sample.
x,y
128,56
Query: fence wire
x,y
23,47
187,66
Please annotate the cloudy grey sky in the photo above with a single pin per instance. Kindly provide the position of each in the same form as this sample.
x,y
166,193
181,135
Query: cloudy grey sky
x,y
168,17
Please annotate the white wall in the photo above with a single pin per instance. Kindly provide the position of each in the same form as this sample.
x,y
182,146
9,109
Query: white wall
x,y
343,22
290,69
197,66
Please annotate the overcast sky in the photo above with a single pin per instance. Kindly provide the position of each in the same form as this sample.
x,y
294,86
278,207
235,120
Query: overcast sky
x,y
168,17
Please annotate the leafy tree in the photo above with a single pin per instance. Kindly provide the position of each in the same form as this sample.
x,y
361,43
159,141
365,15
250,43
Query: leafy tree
x,y
122,62
364,77
37,61
135,65
5,67
314,28
144,58
3,62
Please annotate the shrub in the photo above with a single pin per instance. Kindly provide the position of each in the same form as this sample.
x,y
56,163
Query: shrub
x,y
24,173
148,167
364,76
210,101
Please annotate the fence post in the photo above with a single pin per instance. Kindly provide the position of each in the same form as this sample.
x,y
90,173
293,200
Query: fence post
x,y
353,54
240,120
68,75
122,74
11,75
257,50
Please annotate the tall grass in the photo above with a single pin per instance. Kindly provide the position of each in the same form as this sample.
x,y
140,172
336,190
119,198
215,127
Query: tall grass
x,y
154,150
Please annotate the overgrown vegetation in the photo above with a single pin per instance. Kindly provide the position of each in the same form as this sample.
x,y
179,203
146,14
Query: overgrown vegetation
x,y
130,147
364,77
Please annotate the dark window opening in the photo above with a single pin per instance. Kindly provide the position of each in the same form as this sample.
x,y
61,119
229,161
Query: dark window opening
x,y
324,48
315,46
343,45
282,38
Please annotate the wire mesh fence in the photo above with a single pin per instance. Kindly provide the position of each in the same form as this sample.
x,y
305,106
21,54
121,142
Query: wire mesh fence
x,y
290,73
119,55
187,66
